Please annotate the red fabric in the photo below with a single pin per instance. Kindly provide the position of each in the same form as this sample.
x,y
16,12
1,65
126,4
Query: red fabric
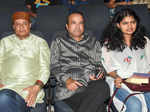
x,y
138,87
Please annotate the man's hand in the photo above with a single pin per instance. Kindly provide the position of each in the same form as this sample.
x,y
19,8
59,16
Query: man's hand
x,y
118,82
72,85
32,94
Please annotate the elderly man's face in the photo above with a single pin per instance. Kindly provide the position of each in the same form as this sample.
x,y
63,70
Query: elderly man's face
x,y
22,28
75,26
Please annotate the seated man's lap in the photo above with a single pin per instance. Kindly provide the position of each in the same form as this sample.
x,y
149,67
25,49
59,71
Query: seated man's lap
x,y
10,100
40,107
61,106
96,89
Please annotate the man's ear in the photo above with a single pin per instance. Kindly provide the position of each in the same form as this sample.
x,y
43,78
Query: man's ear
x,y
30,25
67,26
13,26
118,25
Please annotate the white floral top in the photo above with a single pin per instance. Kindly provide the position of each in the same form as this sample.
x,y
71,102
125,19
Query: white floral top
x,y
127,62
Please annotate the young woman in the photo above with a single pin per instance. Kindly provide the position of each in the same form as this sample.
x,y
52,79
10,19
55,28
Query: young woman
x,y
124,53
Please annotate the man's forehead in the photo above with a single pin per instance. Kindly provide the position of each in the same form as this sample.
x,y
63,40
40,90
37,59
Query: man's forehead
x,y
76,17
21,21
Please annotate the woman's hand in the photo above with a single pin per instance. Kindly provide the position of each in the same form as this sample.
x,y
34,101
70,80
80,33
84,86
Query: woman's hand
x,y
118,82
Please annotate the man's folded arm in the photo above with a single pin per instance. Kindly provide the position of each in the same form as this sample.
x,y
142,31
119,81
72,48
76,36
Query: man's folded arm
x,y
44,64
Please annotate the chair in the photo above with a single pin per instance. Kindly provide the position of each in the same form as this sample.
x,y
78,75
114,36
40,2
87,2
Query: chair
x,y
51,19
96,17
52,104
7,8
50,93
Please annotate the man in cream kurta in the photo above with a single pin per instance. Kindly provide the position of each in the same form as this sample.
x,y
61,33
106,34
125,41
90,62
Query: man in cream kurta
x,y
24,67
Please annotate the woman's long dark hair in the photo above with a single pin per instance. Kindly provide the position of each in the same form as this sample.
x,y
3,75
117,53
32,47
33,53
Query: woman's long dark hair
x,y
113,37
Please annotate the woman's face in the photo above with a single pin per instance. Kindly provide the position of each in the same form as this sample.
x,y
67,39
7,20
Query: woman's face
x,y
127,25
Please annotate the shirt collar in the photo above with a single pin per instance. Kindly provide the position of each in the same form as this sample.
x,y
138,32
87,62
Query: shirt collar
x,y
85,37
26,39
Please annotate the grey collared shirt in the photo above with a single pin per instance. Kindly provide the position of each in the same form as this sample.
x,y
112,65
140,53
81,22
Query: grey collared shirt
x,y
72,59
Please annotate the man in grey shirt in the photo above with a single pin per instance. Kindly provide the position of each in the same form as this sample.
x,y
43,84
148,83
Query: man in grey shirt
x,y
76,63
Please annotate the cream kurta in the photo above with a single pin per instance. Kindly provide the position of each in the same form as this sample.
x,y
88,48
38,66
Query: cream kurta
x,y
22,62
